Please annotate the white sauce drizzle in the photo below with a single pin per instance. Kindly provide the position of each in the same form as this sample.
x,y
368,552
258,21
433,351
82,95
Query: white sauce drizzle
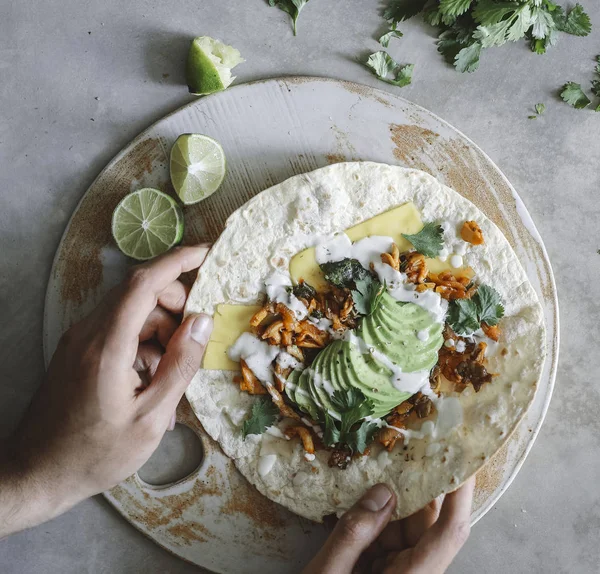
x,y
286,361
258,356
383,459
403,382
275,431
449,343
265,464
277,286
461,347
456,261
480,337
309,456
423,335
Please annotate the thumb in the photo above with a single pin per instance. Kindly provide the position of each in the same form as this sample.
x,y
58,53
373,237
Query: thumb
x,y
181,360
354,532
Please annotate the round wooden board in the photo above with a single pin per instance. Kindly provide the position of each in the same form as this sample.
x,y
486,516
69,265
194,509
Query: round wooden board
x,y
271,130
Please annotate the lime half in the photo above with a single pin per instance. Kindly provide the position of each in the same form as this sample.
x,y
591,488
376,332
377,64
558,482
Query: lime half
x,y
197,167
147,223
209,65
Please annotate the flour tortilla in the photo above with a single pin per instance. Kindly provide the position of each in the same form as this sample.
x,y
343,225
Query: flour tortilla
x,y
278,223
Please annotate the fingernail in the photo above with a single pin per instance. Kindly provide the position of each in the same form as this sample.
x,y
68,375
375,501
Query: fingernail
x,y
376,498
201,329
172,423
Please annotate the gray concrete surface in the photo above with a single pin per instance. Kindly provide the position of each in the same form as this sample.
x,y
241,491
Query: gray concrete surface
x,y
79,79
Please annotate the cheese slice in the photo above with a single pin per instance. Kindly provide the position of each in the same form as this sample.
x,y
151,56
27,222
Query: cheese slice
x,y
233,320
230,321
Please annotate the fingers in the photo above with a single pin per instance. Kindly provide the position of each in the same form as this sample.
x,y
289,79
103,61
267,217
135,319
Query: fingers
x,y
173,297
146,362
160,324
440,544
146,285
354,532
180,362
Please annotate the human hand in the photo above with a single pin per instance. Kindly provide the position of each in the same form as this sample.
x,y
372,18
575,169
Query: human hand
x,y
364,539
111,388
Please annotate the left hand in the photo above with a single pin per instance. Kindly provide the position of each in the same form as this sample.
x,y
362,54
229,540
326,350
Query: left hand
x,y
364,539
110,393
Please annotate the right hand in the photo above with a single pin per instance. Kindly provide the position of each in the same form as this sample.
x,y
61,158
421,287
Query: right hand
x,y
364,539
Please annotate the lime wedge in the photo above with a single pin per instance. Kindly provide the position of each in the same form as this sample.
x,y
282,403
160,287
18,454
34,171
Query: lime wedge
x,y
197,167
209,65
147,223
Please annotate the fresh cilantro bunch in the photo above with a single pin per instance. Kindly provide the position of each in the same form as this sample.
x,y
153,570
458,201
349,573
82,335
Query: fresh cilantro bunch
x,y
469,26
353,407
466,315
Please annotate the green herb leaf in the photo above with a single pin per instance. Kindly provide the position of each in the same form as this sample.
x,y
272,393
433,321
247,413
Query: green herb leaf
x,y
489,305
331,436
353,407
540,109
344,273
467,59
454,7
489,12
462,316
466,315
400,10
393,33
367,295
576,22
359,439
574,96
532,117
383,65
264,414
596,81
429,241
292,7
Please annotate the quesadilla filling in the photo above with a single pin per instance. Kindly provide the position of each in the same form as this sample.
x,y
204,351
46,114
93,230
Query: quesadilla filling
x,y
380,344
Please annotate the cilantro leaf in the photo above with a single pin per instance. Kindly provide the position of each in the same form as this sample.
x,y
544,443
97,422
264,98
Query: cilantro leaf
x,y
264,414
467,59
292,7
596,81
466,315
462,316
576,22
400,10
367,295
332,434
488,12
454,7
489,305
353,407
359,439
540,45
429,240
393,33
540,109
574,96
383,65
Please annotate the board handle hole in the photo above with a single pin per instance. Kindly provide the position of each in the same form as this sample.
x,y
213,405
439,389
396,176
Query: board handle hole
x,y
178,455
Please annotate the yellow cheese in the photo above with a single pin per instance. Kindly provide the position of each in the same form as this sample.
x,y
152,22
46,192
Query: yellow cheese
x,y
232,320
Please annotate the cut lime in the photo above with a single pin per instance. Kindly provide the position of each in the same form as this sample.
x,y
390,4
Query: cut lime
x,y
209,65
197,167
147,223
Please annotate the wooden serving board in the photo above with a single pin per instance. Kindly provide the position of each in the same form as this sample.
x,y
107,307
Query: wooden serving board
x,y
271,130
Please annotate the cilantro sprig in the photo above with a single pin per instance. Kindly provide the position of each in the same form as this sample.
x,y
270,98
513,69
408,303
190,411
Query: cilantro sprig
x,y
390,71
292,7
429,241
352,406
468,27
264,413
367,295
466,315
393,32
